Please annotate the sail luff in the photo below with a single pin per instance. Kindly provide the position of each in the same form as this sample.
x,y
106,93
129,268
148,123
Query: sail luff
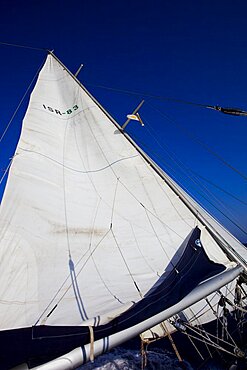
x,y
222,243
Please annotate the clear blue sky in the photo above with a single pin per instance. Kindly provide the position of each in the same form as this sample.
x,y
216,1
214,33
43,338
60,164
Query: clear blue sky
x,y
190,50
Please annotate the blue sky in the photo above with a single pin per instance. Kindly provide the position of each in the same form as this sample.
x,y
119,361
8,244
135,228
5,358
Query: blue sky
x,y
191,50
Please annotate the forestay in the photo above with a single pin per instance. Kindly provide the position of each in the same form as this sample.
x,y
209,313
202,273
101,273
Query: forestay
x,y
87,226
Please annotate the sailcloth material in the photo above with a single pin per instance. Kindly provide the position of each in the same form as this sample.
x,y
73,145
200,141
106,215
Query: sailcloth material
x,y
87,227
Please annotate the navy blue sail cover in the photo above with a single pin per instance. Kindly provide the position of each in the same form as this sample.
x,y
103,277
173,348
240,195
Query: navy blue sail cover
x,y
39,344
193,267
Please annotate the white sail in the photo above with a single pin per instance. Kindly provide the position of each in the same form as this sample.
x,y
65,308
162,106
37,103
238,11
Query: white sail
x,y
86,225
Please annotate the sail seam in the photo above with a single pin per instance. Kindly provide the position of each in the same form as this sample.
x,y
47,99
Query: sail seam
x,y
74,169
147,210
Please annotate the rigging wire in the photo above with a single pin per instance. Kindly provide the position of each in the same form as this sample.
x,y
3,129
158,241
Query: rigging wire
x,y
23,46
199,331
196,183
222,160
220,321
20,103
218,187
208,149
182,166
211,343
6,170
206,336
201,312
225,110
153,96
195,139
219,210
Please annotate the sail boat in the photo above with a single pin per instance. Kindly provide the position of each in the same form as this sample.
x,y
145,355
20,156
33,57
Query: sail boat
x,y
97,243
